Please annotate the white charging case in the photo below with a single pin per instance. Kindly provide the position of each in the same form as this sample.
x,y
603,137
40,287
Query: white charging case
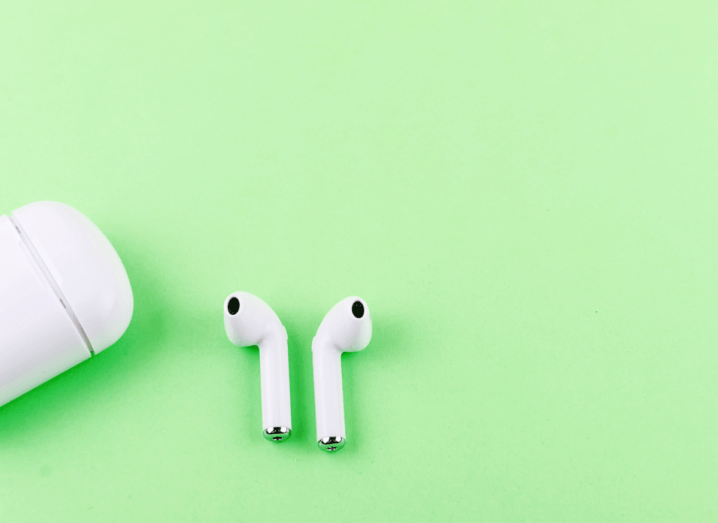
x,y
64,294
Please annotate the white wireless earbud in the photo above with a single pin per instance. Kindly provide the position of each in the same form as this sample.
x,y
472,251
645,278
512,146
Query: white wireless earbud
x,y
249,321
346,328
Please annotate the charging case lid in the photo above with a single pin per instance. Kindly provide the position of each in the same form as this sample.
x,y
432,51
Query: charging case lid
x,y
85,267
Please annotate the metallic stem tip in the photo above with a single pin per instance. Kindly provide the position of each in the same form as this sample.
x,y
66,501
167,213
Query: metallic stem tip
x,y
332,443
277,434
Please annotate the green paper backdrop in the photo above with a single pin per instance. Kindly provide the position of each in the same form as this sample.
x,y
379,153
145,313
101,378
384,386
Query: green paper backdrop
x,y
525,193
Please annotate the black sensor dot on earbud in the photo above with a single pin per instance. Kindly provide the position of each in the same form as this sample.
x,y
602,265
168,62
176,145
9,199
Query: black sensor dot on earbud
x,y
233,306
358,309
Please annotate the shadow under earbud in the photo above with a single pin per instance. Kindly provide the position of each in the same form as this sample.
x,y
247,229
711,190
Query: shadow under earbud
x,y
359,374
300,372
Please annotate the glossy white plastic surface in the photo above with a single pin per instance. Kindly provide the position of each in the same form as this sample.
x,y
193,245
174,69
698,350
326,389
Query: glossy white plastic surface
x,y
255,323
37,338
340,331
85,266
63,292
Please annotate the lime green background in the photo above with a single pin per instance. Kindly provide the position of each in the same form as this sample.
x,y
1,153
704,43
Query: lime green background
x,y
525,193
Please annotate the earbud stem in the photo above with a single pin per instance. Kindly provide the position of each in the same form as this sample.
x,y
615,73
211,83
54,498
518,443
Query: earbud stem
x,y
328,396
274,367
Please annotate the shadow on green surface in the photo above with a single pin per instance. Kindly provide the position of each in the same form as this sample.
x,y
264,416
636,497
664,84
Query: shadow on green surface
x,y
300,383
80,393
359,376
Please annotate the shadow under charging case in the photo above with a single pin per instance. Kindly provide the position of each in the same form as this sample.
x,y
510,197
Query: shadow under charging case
x,y
64,294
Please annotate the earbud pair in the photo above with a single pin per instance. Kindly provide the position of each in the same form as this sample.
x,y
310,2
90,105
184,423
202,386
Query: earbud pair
x,y
346,328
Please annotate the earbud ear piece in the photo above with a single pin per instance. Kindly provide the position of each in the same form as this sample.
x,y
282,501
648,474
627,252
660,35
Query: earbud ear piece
x,y
346,328
249,321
